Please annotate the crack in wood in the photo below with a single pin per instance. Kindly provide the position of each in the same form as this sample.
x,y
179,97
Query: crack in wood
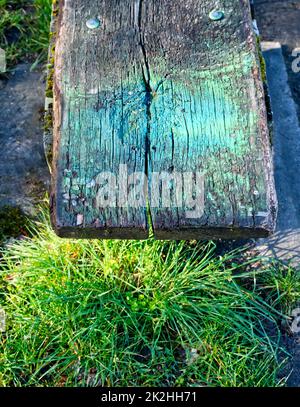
x,y
175,93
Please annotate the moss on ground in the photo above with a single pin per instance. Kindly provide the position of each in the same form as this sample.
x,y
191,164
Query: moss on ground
x,y
13,222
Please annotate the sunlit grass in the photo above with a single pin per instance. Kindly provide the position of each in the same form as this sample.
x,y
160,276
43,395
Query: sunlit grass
x,y
24,29
131,313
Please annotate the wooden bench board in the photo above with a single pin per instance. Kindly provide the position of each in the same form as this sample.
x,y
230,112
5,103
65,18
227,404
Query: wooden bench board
x,y
162,91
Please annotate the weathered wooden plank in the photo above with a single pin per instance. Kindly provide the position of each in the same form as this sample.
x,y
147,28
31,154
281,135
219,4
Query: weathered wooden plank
x,y
208,116
160,90
100,120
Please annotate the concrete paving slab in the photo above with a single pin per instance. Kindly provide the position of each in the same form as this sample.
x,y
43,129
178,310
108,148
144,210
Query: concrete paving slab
x,y
285,244
279,20
24,174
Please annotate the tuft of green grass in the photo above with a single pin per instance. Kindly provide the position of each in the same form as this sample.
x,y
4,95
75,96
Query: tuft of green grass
x,y
280,285
24,29
137,313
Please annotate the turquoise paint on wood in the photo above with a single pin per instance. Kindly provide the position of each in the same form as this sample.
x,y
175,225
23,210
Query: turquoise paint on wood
x,y
160,88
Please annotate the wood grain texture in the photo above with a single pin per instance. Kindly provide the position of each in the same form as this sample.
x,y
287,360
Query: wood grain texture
x,y
164,90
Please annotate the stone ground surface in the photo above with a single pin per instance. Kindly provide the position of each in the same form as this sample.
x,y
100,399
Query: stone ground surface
x,y
285,243
279,21
24,175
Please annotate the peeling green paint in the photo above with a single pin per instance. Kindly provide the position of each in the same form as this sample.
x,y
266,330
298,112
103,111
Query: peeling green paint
x,y
162,97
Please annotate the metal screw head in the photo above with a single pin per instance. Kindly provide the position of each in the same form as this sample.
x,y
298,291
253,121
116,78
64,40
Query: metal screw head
x,y
93,23
216,15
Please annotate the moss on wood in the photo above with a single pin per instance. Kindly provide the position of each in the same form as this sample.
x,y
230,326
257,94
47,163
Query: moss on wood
x,y
48,118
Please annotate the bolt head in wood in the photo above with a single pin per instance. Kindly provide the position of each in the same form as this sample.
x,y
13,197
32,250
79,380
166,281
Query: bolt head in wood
x,y
216,15
93,23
